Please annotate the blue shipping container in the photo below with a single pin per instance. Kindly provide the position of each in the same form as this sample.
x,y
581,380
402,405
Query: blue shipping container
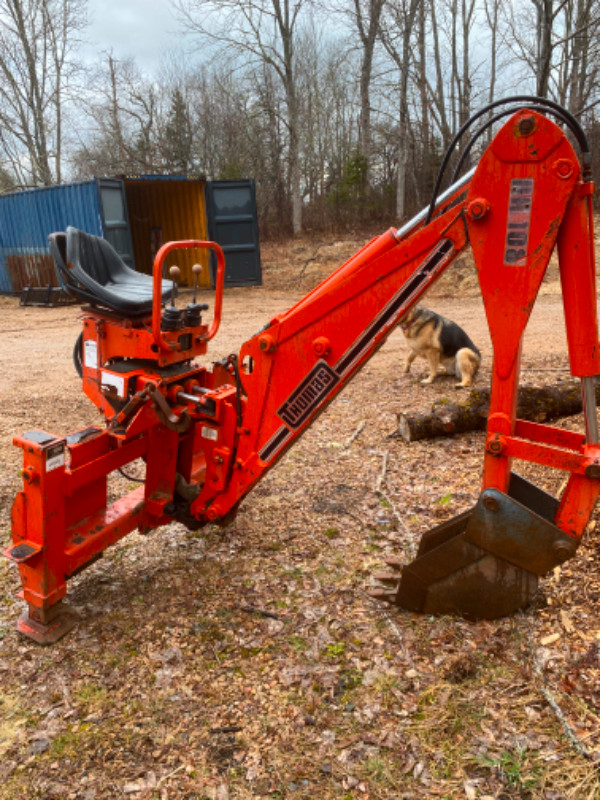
x,y
134,214
26,220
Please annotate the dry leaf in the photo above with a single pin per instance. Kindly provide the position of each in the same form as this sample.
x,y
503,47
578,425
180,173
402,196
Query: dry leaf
x,y
553,637
566,621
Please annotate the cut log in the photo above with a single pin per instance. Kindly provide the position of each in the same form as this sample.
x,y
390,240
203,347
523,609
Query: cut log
x,y
535,404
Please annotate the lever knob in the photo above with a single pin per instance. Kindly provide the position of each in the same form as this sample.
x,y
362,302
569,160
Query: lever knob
x,y
174,273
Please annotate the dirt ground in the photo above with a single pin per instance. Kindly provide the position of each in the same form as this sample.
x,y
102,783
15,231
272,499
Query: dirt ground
x,y
250,662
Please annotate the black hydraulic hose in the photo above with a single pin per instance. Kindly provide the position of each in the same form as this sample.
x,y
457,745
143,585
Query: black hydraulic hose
x,y
130,477
540,102
78,355
506,113
238,388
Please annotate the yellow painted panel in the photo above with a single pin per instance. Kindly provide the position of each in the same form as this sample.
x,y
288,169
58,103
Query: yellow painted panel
x,y
162,211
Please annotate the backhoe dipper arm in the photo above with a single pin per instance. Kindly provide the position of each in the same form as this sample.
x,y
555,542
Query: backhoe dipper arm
x,y
527,195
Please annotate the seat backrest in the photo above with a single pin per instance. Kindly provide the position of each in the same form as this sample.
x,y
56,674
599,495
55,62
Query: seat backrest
x,y
57,244
93,264
97,258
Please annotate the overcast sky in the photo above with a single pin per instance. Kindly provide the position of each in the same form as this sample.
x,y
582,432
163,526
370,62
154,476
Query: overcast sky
x,y
143,29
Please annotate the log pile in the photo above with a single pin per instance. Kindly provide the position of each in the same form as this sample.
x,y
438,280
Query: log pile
x,y
535,404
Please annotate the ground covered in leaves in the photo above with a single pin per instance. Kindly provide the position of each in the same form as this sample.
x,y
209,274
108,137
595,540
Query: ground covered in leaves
x,y
250,662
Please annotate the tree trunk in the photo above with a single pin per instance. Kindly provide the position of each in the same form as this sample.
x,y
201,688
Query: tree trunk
x,y
535,404
545,18
367,24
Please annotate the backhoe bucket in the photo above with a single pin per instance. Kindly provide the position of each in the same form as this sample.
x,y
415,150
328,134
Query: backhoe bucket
x,y
485,563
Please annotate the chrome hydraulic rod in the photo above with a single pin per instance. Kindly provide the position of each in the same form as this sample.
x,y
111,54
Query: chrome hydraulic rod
x,y
446,195
590,415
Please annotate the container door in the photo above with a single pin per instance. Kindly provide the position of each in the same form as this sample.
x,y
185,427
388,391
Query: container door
x,y
115,222
232,223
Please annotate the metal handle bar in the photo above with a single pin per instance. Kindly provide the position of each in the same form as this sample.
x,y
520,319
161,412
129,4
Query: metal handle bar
x,y
159,339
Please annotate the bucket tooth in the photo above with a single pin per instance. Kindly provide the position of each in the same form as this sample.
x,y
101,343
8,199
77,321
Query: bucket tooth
x,y
485,563
387,577
382,595
394,563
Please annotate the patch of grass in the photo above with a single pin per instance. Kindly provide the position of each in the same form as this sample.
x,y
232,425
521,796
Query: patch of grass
x,y
66,745
332,533
12,718
91,695
298,643
249,652
385,684
378,770
293,572
335,649
514,768
448,712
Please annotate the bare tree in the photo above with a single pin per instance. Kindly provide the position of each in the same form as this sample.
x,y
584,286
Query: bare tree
x,y
264,31
396,34
37,40
579,47
123,110
366,15
557,41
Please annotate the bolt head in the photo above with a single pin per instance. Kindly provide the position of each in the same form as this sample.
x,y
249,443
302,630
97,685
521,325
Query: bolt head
x,y
490,503
562,550
478,208
563,168
266,344
526,126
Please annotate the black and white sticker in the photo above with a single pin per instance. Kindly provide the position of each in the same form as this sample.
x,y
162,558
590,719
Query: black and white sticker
x,y
518,222
55,457
90,354
308,395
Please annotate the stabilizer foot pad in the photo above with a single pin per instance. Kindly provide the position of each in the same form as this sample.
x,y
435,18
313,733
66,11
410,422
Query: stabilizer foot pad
x,y
64,621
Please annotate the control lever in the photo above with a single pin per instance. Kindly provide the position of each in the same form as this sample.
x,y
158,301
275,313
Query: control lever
x,y
172,317
193,312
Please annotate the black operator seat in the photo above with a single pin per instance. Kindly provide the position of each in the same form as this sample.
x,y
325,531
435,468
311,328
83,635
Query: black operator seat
x,y
89,268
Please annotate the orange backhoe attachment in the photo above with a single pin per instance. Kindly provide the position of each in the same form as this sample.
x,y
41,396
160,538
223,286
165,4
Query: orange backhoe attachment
x,y
208,434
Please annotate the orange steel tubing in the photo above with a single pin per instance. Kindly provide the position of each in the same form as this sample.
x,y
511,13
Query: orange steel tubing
x,y
159,339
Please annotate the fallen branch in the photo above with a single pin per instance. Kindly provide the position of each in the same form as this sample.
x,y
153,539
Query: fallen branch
x,y
357,432
260,611
309,261
569,732
381,477
535,403
378,490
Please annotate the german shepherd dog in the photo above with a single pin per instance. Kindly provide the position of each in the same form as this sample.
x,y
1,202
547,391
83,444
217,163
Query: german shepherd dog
x,y
440,341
